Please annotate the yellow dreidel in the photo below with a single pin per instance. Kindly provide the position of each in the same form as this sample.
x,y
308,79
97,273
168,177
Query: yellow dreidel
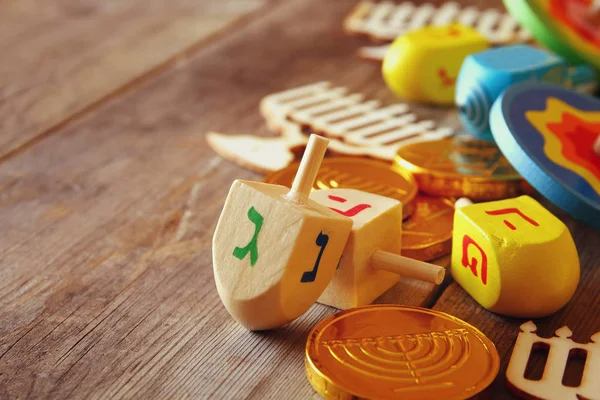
x,y
422,65
274,250
514,257
371,262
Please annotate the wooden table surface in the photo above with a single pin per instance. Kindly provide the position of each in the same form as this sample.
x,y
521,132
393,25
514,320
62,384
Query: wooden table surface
x,y
109,196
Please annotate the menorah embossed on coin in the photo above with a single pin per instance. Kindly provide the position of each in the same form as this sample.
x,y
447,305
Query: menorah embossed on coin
x,y
413,361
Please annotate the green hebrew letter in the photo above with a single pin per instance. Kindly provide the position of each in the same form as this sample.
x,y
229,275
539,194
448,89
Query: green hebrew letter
x,y
240,252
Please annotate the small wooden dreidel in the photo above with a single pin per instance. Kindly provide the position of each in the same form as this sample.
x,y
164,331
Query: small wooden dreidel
x,y
274,249
371,262
422,65
514,257
484,76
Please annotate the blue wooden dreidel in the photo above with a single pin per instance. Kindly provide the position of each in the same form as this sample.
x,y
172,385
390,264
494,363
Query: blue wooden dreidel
x,y
275,250
485,75
551,136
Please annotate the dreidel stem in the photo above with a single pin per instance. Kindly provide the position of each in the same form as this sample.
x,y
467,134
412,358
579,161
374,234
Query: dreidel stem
x,y
407,267
462,202
307,171
593,14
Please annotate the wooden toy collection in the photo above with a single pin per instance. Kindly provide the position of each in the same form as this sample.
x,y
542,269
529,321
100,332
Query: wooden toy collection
x,y
346,233
270,290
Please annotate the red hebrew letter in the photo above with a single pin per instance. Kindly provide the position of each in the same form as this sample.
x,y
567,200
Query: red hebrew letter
x,y
467,240
351,212
512,211
445,79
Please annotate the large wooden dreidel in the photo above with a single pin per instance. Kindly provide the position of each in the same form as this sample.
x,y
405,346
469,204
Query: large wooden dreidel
x,y
514,257
274,249
371,263
485,75
422,65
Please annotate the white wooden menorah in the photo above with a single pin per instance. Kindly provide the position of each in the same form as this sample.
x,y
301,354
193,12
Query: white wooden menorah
x,y
336,114
354,126
550,386
386,20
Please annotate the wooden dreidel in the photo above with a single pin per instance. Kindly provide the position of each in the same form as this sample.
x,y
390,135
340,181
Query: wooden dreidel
x,y
484,76
422,65
371,263
274,249
514,257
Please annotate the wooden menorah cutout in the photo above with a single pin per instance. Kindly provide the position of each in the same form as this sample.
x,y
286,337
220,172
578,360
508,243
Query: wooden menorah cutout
x,y
386,20
550,386
371,263
274,249
334,113
354,126
514,257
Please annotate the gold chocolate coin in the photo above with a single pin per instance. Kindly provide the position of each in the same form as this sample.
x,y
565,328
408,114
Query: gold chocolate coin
x,y
371,176
460,167
393,352
427,233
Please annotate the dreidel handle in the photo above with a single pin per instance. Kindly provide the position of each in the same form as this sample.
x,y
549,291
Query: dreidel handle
x,y
407,267
462,202
307,171
593,14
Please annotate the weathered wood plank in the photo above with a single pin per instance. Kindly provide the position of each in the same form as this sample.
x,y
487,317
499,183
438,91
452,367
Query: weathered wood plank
x,y
64,57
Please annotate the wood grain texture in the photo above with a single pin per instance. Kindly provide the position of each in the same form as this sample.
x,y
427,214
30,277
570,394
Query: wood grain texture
x,y
106,285
63,57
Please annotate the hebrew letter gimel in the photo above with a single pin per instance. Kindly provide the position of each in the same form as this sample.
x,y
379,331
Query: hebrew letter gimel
x,y
251,247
